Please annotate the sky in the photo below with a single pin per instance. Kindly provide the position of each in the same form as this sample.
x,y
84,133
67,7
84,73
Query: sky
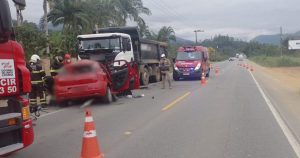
x,y
242,19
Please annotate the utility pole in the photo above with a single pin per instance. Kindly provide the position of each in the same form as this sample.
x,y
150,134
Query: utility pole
x,y
281,46
19,9
45,7
196,31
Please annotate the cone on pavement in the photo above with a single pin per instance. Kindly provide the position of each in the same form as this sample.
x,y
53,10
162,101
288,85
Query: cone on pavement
x,y
203,80
90,147
217,71
251,68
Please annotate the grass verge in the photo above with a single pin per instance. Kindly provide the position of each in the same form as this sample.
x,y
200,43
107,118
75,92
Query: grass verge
x,y
284,61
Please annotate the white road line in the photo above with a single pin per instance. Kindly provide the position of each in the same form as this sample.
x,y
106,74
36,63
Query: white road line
x,y
51,113
288,134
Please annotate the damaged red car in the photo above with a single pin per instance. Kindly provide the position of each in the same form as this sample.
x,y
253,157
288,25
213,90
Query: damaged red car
x,y
83,79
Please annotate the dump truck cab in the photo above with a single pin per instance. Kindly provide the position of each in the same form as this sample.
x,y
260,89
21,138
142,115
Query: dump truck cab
x,y
106,47
115,51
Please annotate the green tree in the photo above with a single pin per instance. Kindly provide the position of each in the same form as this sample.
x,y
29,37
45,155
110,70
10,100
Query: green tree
x,y
165,34
32,39
71,15
131,9
105,13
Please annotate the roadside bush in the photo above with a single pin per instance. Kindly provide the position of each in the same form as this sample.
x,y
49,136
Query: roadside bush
x,y
284,61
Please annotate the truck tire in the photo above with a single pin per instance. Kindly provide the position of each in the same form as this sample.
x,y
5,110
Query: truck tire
x,y
63,103
157,75
145,77
175,78
207,74
108,98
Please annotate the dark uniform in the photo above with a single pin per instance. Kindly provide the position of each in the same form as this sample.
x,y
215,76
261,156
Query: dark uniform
x,y
55,67
37,84
164,65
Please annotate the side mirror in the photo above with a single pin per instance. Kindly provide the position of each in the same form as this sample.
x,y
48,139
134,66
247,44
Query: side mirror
x,y
124,46
128,47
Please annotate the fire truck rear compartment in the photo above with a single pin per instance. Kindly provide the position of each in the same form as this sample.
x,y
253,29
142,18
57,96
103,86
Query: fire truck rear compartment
x,y
10,133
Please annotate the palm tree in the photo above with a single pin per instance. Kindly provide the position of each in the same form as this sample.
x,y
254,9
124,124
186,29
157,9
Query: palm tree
x,y
131,9
101,13
166,34
71,15
45,8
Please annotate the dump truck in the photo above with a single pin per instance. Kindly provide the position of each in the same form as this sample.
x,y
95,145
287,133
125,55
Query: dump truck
x,y
125,43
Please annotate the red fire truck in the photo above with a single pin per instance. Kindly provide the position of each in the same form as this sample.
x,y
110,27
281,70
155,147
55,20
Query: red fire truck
x,y
191,62
16,130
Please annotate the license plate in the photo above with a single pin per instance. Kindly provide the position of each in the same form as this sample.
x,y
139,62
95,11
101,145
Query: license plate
x,y
3,103
77,89
186,73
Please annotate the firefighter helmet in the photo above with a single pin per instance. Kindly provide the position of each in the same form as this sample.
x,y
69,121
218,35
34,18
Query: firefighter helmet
x,y
35,58
58,59
67,56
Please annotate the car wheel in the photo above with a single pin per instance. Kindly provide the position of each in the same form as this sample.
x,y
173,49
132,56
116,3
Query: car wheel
x,y
175,78
114,97
63,104
108,98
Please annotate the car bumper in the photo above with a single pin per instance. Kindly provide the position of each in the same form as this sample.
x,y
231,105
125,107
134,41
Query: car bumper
x,y
187,74
71,93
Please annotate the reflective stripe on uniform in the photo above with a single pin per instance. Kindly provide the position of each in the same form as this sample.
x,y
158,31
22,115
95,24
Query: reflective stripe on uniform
x,y
36,72
54,70
36,82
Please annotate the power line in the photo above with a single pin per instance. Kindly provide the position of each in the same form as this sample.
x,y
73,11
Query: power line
x,y
167,10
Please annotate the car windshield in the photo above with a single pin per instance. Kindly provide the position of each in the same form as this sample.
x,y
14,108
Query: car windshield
x,y
100,43
189,56
77,70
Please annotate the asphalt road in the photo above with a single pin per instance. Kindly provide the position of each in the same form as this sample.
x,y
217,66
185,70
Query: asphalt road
x,y
227,118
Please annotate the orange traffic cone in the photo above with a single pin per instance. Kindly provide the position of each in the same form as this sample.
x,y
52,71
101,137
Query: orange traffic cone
x,y
217,71
90,147
203,80
251,69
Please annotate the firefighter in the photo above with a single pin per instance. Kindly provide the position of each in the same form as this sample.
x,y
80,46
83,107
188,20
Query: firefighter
x,y
56,65
164,65
67,59
37,83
